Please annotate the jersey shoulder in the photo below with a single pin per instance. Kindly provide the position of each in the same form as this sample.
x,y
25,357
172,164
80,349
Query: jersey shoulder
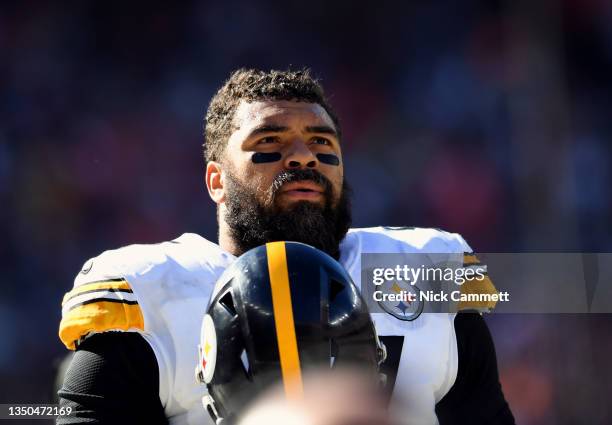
x,y
112,289
187,253
440,247
383,239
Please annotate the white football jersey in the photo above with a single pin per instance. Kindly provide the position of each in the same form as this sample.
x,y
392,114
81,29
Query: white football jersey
x,y
162,291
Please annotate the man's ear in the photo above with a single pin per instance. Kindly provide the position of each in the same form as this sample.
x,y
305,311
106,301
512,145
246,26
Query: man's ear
x,y
215,182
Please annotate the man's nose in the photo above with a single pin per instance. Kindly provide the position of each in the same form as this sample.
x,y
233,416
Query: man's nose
x,y
300,156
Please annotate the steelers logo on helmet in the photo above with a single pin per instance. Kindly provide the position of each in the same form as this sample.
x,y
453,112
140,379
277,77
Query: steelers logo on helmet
x,y
405,304
208,349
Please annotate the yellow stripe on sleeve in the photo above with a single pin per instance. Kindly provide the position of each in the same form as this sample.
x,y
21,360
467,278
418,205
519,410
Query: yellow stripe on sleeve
x,y
98,285
283,318
99,316
475,286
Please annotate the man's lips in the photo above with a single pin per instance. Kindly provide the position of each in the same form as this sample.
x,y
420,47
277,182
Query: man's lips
x,y
302,190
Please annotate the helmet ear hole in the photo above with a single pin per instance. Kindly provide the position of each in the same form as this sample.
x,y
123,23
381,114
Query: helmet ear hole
x,y
212,413
244,360
335,288
227,301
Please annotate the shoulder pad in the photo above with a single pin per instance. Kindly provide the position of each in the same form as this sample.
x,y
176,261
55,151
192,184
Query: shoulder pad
x,y
103,297
101,300
430,240
426,240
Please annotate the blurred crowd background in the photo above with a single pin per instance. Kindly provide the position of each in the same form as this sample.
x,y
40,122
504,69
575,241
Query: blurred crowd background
x,y
487,118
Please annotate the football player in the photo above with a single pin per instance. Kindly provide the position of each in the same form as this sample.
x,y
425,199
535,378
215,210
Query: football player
x,y
274,167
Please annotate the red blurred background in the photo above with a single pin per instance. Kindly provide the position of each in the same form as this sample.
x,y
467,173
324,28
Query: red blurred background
x,y
488,118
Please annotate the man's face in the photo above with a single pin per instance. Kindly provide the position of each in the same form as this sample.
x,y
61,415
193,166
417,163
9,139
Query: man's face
x,y
282,177
298,131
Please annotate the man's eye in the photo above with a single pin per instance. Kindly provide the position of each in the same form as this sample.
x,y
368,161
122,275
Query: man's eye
x,y
321,141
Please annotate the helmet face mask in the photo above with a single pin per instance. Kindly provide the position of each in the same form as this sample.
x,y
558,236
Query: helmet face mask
x,y
277,312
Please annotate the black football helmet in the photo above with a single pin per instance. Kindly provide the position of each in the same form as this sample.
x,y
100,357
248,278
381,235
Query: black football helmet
x,y
277,311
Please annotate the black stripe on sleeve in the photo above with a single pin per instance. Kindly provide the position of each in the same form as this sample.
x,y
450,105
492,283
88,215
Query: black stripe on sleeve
x,y
116,279
127,291
96,300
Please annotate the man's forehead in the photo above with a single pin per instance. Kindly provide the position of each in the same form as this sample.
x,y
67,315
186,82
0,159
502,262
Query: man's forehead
x,y
252,114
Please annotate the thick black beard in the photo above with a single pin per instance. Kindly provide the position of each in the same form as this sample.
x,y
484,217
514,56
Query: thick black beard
x,y
252,223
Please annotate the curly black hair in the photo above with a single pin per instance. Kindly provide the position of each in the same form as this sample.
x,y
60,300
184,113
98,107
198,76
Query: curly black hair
x,y
255,85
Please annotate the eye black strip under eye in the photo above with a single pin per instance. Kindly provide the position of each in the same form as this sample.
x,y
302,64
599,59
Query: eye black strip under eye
x,y
263,157
328,158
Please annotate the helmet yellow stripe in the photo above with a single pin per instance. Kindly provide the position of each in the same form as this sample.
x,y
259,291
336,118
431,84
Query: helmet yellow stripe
x,y
283,318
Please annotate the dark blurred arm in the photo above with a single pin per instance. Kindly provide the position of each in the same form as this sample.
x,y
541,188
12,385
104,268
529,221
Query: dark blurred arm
x,y
113,378
476,397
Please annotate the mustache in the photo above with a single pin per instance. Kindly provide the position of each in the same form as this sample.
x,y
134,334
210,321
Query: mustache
x,y
290,176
